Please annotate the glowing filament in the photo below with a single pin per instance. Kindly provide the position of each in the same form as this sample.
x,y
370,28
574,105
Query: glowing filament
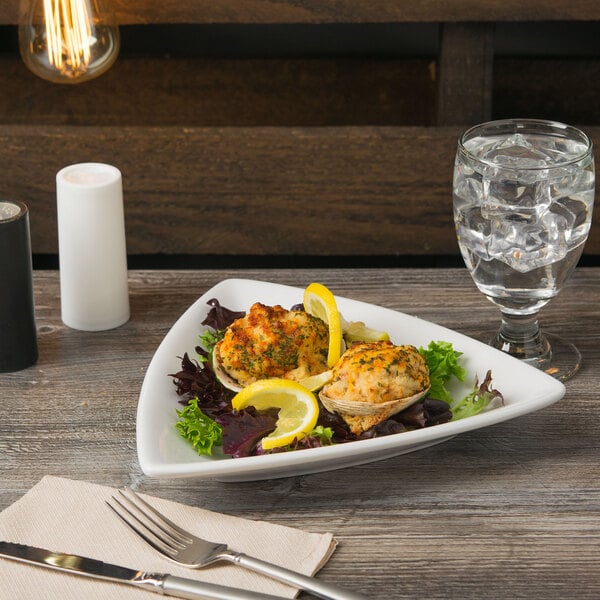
x,y
68,33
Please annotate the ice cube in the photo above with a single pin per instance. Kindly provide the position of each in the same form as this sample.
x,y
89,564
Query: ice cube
x,y
473,231
468,190
516,152
515,140
570,211
542,197
524,246
508,197
503,236
555,230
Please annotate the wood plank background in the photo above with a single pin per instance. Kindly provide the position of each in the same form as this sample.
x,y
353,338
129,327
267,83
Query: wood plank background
x,y
258,190
255,190
341,11
322,156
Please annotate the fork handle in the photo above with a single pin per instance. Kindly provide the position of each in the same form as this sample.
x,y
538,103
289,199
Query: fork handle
x,y
303,582
180,587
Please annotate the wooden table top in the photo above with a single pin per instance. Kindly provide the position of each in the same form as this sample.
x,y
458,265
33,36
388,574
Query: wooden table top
x,y
509,511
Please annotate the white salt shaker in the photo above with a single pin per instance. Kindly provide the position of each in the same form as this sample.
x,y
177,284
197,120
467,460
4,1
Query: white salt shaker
x,y
92,251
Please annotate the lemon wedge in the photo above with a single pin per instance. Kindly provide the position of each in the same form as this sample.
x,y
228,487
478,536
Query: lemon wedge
x,y
298,408
315,382
320,302
357,331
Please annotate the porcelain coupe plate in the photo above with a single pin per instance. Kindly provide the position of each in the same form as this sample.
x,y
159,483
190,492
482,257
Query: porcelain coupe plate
x,y
163,453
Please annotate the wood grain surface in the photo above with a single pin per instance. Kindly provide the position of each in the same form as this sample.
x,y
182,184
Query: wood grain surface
x,y
305,156
251,190
322,191
341,11
154,90
465,93
510,511
158,90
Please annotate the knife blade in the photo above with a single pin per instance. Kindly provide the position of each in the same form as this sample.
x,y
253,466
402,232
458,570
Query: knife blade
x,y
162,583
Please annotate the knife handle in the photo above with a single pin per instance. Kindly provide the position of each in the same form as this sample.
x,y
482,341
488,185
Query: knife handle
x,y
303,582
180,587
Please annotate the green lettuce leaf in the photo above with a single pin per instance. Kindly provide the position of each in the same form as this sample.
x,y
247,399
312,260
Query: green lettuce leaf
x,y
323,434
201,431
481,397
208,340
442,361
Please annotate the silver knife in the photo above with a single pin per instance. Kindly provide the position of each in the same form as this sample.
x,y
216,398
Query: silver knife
x,y
162,583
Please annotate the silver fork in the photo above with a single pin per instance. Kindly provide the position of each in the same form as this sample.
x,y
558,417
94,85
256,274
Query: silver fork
x,y
188,550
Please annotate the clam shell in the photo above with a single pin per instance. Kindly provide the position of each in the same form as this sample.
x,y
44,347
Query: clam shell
x,y
221,374
353,407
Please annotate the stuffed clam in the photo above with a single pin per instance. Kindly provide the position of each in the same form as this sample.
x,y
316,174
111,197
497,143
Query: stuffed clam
x,y
270,341
374,380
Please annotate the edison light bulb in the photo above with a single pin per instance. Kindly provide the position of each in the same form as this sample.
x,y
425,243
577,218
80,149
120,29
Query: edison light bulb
x,y
67,41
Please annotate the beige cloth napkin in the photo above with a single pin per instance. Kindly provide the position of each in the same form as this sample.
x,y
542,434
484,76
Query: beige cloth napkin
x,y
71,516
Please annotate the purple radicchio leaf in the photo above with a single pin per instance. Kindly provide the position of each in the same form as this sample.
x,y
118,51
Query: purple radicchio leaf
x,y
219,317
387,427
341,433
196,380
242,430
436,412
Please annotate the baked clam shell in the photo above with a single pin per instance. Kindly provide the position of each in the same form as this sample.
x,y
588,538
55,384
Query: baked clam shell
x,y
221,374
358,408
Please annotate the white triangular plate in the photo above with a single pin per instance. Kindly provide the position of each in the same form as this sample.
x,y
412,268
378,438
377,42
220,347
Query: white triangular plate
x,y
163,453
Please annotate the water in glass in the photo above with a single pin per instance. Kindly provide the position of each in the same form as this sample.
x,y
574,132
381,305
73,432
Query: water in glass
x,y
522,209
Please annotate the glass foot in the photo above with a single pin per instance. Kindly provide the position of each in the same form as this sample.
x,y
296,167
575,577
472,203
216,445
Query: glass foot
x,y
565,359
547,352
521,337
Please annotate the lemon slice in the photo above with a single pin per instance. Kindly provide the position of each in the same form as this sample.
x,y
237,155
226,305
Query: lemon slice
x,y
357,331
320,302
298,408
316,382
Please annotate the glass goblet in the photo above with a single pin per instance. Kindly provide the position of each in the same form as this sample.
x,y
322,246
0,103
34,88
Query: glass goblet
x,y
523,198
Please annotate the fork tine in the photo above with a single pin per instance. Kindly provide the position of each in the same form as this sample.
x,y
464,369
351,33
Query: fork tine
x,y
156,518
138,527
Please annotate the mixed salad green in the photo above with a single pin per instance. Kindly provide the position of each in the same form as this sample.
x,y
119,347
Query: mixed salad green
x,y
207,419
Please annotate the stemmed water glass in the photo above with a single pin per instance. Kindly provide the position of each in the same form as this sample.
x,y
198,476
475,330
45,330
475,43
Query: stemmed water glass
x,y
523,198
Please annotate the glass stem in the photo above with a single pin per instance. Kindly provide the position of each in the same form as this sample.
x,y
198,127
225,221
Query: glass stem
x,y
521,336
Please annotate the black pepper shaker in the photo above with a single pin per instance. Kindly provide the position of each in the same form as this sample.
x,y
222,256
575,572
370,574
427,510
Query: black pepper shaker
x,y
18,337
